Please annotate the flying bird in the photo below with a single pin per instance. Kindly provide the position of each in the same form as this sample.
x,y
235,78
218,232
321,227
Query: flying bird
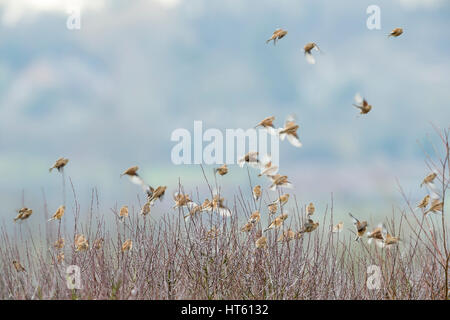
x,y
223,170
290,131
267,123
388,240
361,227
435,206
362,104
24,214
277,35
279,181
396,32
58,214
156,194
136,179
375,234
251,159
267,167
308,55
338,228
428,180
59,164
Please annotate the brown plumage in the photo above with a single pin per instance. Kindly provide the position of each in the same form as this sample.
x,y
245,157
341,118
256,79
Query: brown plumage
x,y
261,242
396,32
424,203
277,35
251,159
435,206
81,243
290,131
18,266
127,245
24,214
98,243
282,200
362,104
223,170
59,164
145,209
123,213
310,209
277,222
247,227
257,192
309,226
58,214
308,54
273,207
429,179
361,227
279,181
338,228
156,194
255,217
59,244
132,171
287,236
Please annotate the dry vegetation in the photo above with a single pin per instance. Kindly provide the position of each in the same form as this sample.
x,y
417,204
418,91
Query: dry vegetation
x,y
209,257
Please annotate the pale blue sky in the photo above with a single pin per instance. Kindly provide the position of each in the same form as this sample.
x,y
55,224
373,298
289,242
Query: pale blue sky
x,y
109,95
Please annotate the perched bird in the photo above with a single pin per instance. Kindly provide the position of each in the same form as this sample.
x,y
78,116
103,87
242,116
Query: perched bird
x,y
267,167
424,203
98,243
396,32
362,104
18,266
58,214
251,159
287,236
267,123
181,200
308,55
282,200
59,164
261,242
309,226
156,194
255,217
60,257
429,179
145,209
59,244
388,240
278,222
81,243
136,179
310,209
247,227
223,170
361,227
123,213
435,206
290,131
127,245
257,192
24,214
338,228
273,207
279,181
277,35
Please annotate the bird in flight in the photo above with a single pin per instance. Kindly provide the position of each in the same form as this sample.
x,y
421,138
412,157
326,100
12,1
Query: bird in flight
x,y
362,104
24,214
290,131
307,50
361,227
59,164
277,35
396,32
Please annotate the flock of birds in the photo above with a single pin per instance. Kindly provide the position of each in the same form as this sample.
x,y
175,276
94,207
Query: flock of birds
x,y
266,168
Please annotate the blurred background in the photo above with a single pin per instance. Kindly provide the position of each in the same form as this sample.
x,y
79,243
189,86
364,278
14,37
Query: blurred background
x,y
109,95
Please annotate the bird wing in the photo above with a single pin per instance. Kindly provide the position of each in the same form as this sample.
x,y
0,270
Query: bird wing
x,y
310,58
358,98
294,140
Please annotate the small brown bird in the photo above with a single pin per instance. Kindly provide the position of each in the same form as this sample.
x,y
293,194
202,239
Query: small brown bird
x,y
58,214
278,222
287,236
223,170
81,243
309,226
429,179
257,192
60,258
388,240
18,266
267,123
267,167
310,209
279,181
127,245
247,227
123,213
282,200
396,32
273,207
308,55
361,227
435,206
375,234
59,164
98,243
255,217
59,244
338,228
157,194
251,159
24,214
362,104
424,203
136,179
290,132
145,209
181,200
277,35
261,242
217,204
